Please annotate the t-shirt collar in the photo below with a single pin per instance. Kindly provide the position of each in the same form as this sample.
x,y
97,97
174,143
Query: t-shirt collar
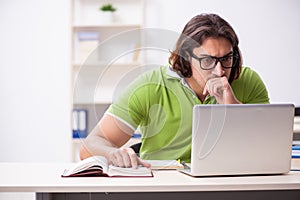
x,y
171,74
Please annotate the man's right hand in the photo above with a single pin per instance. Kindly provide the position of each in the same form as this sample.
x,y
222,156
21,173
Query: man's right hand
x,y
126,157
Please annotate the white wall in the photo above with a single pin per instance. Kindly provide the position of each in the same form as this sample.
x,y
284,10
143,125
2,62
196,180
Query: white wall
x,y
268,30
35,81
35,63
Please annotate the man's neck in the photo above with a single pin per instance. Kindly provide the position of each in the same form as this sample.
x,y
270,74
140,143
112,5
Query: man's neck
x,y
196,87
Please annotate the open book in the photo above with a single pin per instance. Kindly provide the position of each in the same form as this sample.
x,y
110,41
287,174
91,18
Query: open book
x,y
98,166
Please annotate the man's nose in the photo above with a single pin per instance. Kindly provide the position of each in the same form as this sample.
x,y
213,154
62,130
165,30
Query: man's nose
x,y
218,70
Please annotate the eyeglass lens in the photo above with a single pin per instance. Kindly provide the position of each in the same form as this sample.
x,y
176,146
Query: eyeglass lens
x,y
211,62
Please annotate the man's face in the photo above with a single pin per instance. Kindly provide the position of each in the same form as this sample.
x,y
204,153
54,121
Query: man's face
x,y
215,47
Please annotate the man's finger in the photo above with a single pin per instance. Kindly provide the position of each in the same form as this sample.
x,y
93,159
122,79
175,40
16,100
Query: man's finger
x,y
205,91
134,160
131,158
119,159
143,163
126,158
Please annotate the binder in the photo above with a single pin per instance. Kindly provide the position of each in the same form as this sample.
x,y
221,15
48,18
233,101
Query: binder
x,y
79,123
75,123
296,151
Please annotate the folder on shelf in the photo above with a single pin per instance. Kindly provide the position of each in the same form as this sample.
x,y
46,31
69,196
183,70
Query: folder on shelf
x,y
296,151
296,147
87,42
88,35
79,123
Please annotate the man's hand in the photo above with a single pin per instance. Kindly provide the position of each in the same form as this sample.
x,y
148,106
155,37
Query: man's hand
x,y
126,157
220,88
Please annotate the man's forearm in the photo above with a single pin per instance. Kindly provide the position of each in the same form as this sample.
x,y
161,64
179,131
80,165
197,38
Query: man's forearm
x,y
95,145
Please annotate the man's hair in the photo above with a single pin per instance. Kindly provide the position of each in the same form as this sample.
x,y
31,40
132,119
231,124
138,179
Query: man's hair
x,y
198,29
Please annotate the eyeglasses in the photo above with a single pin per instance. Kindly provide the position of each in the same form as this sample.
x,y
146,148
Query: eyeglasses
x,y
209,62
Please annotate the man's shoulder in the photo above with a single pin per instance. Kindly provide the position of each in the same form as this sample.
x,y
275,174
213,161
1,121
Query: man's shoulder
x,y
155,74
248,77
249,87
152,76
247,70
247,73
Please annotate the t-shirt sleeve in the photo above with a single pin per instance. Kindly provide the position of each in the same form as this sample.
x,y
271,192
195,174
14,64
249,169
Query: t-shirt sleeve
x,y
130,106
250,88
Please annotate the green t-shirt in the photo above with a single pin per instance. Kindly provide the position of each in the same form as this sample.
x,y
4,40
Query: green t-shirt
x,y
160,103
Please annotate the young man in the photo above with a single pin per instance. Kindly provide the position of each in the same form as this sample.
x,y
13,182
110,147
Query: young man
x,y
205,68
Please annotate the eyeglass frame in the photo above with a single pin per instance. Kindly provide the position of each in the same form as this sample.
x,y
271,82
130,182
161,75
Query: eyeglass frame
x,y
218,59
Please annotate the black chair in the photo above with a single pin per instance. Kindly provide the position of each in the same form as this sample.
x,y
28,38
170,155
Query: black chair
x,y
136,147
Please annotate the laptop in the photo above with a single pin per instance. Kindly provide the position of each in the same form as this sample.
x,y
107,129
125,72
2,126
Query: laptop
x,y
244,139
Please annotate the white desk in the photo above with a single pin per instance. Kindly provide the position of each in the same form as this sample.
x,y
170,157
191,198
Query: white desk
x,y
45,178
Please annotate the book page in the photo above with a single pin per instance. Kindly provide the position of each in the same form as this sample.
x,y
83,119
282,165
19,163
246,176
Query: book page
x,y
122,171
91,163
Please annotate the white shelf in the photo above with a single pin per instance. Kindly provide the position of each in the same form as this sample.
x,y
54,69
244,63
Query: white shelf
x,y
99,66
105,53
115,64
128,12
106,26
96,85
